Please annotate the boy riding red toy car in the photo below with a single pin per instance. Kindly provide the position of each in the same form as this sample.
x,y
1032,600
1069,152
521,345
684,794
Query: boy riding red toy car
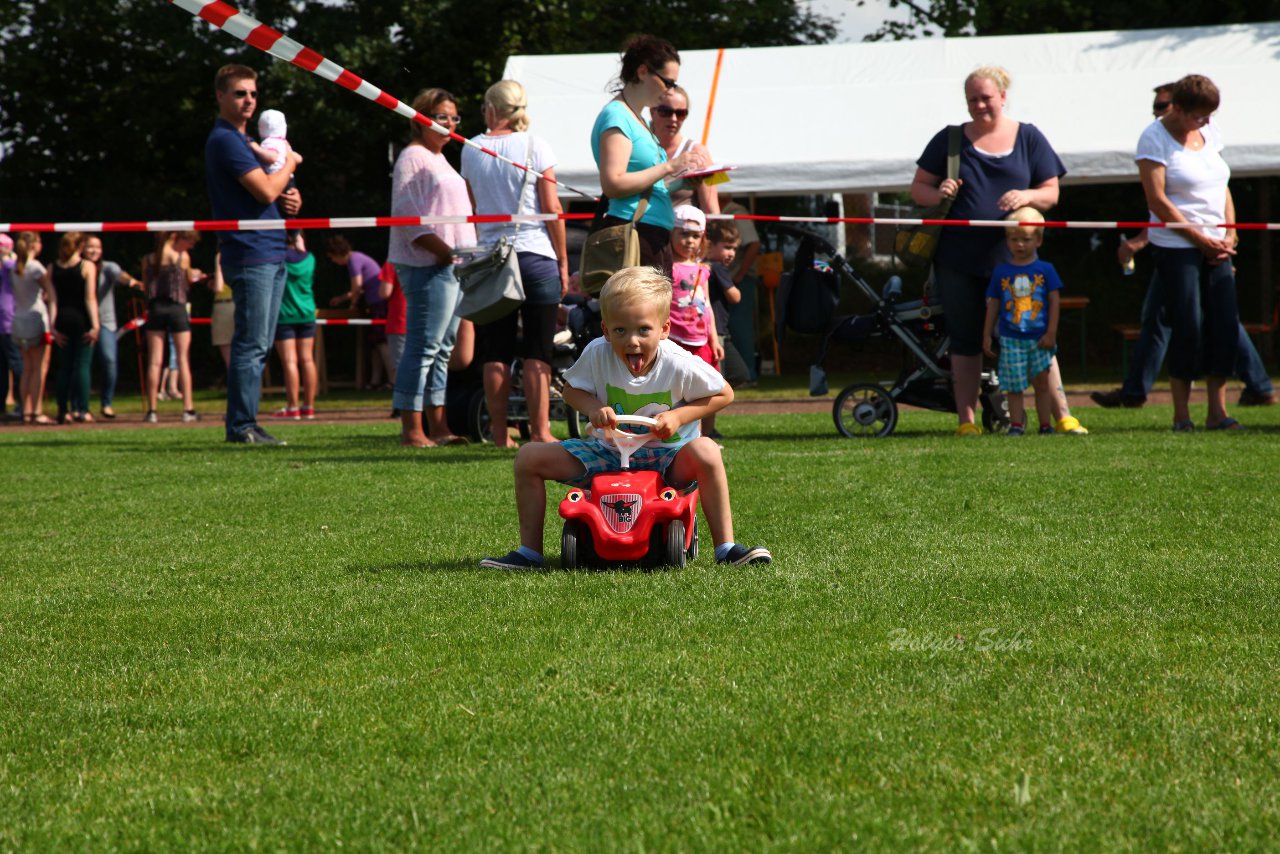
x,y
629,516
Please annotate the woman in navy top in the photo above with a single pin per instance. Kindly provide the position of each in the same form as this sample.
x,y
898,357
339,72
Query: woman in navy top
x,y
1004,165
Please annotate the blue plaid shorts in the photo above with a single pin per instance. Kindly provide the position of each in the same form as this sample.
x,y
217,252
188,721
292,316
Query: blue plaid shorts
x,y
599,458
1021,359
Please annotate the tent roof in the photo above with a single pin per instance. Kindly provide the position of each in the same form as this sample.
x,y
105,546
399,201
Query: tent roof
x,y
854,117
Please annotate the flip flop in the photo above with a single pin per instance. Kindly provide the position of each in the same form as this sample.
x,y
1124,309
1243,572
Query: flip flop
x,y
1225,424
451,440
1183,427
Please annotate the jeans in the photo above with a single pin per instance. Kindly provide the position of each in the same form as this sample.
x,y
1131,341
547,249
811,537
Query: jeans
x,y
431,296
1199,304
108,357
10,360
1153,341
74,361
257,291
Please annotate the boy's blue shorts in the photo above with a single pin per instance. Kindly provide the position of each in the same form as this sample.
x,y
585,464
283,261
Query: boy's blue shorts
x,y
599,458
1021,361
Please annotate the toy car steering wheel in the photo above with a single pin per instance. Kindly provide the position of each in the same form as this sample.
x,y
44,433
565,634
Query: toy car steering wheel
x,y
625,441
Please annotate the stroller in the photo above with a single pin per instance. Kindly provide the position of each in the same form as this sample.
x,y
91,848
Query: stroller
x,y
871,409
583,325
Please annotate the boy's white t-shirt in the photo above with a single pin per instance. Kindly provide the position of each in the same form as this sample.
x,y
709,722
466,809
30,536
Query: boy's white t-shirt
x,y
1195,181
677,377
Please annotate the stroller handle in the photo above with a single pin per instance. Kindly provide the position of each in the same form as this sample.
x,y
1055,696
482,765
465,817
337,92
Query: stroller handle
x,y
804,234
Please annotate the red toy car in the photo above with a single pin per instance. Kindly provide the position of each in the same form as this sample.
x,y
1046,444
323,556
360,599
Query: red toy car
x,y
629,516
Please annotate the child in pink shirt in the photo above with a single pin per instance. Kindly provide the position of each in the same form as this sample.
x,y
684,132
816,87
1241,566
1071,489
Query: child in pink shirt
x,y
693,323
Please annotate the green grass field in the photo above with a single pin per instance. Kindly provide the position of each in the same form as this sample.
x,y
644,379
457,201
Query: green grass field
x,y
995,644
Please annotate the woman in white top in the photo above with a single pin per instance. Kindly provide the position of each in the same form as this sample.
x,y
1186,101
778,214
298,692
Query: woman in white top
x,y
500,188
667,121
1185,181
35,309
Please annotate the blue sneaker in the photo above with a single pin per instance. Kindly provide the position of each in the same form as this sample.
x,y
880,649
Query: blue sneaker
x,y
742,556
1016,430
511,560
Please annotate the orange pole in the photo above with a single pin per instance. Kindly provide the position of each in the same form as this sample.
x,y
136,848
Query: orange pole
x,y
711,102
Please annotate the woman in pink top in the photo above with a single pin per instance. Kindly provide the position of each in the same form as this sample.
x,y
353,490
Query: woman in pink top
x,y
424,184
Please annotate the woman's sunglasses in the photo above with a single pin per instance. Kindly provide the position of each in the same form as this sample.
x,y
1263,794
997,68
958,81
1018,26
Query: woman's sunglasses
x,y
668,112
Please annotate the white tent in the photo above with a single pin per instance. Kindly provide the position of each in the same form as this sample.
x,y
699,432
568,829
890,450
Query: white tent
x,y
854,117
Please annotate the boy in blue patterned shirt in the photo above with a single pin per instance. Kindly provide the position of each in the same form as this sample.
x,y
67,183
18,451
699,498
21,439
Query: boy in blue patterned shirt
x,y
1023,294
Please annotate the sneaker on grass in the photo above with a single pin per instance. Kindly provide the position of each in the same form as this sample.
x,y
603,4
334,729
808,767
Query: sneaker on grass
x,y
743,555
511,560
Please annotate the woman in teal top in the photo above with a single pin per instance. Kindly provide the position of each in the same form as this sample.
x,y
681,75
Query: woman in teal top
x,y
628,155
296,332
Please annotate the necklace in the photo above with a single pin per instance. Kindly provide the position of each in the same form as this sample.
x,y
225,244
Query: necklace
x,y
622,96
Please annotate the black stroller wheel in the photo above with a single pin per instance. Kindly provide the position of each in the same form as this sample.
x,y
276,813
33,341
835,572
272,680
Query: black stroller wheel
x,y
478,418
865,410
995,412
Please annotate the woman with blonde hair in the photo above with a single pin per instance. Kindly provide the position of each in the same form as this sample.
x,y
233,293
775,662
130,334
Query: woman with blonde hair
x,y
168,275
35,308
1004,165
667,121
499,188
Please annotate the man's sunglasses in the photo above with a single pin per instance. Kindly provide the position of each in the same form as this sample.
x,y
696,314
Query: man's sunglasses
x,y
668,112
1160,106
246,93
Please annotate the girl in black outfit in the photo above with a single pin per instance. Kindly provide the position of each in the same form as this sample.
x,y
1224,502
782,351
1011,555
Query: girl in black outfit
x,y
75,330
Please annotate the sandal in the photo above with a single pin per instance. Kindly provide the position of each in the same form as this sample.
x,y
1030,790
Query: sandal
x,y
451,440
1227,423
1184,427
969,429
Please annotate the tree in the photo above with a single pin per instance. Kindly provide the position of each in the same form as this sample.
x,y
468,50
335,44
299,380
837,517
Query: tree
x,y
985,18
106,103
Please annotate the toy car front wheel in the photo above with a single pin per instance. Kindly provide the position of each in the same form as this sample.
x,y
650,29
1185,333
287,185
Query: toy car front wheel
x,y
693,546
575,545
675,544
865,410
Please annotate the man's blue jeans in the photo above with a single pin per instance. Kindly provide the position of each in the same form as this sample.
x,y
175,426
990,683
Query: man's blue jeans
x,y
1153,342
257,291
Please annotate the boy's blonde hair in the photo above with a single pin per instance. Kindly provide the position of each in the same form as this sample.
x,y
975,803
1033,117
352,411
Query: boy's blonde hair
x,y
1027,214
636,284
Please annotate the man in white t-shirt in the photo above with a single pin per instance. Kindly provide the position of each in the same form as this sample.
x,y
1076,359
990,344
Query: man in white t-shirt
x,y
634,370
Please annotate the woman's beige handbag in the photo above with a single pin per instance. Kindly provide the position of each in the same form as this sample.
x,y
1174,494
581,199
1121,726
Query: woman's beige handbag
x,y
611,249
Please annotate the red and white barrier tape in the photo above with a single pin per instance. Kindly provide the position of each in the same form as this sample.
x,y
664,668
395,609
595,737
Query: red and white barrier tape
x,y
384,221
141,320
257,34
274,224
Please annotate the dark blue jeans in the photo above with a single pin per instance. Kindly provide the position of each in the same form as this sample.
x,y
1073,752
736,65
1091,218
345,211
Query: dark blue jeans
x,y
10,360
74,360
1199,304
1153,341
257,291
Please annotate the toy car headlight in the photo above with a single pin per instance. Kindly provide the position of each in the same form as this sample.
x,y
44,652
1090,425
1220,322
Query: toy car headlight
x,y
576,495
668,494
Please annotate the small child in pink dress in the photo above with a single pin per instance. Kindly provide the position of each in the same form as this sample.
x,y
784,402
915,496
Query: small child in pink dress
x,y
273,151
693,324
